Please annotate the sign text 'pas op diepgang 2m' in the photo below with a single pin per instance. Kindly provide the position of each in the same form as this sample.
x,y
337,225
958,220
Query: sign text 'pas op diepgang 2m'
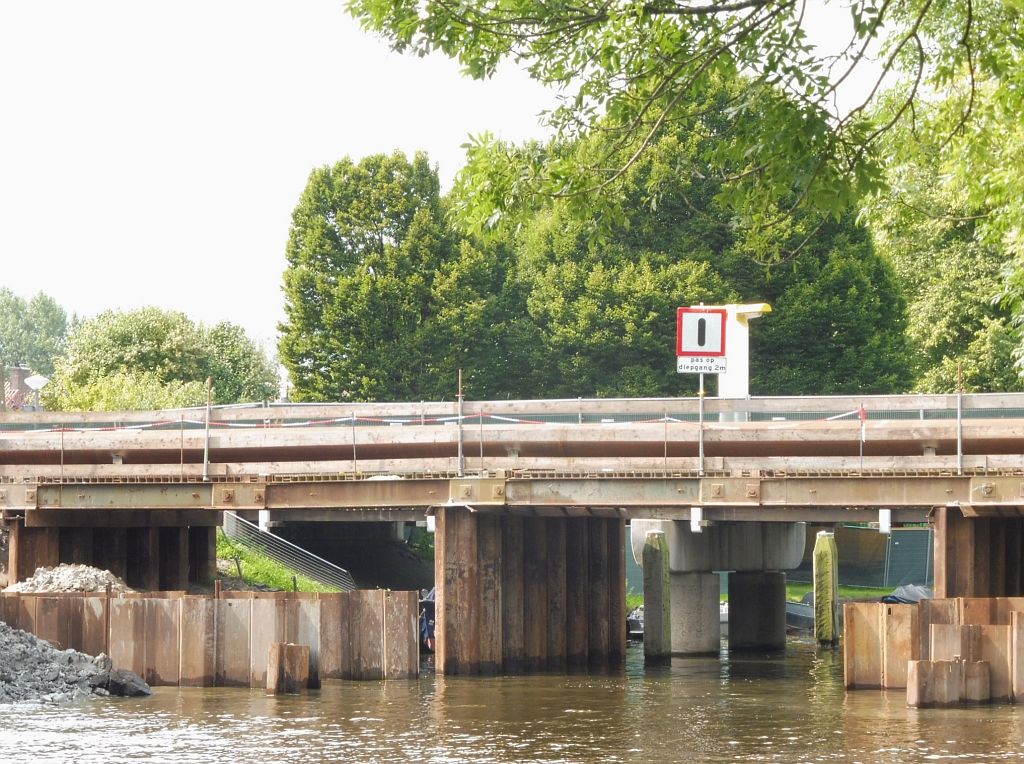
x,y
700,340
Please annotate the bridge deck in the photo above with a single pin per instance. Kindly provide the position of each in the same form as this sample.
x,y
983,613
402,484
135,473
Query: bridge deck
x,y
816,457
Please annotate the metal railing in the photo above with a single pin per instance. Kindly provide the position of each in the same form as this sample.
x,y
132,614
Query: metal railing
x,y
286,553
531,412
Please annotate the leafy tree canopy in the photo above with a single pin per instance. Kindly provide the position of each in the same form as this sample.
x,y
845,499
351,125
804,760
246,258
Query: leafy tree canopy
x,y
633,71
32,332
606,311
366,242
950,273
149,348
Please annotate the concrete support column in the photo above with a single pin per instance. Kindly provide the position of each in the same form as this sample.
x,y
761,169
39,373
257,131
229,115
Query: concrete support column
x,y
657,598
31,548
757,611
696,623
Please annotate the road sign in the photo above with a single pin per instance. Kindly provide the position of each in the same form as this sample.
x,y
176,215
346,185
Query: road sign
x,y
700,364
700,331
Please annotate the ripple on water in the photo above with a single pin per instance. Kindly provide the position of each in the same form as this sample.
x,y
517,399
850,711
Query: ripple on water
x,y
692,710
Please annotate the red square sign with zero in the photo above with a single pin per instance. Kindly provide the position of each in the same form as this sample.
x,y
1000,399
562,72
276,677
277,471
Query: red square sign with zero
x,y
700,332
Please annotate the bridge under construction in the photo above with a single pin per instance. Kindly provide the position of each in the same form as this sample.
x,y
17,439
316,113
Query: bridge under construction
x,y
530,498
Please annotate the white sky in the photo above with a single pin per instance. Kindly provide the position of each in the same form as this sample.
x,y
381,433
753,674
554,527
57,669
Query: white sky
x,y
151,151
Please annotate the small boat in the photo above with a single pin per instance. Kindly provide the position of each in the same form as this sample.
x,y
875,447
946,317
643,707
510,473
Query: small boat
x,y
635,621
800,615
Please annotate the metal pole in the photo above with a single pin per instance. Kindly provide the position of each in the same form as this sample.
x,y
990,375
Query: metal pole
x,y
959,420
462,458
206,442
666,438
700,427
354,466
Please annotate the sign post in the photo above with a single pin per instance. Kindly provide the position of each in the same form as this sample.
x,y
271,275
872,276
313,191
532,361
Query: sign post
x,y
701,333
700,349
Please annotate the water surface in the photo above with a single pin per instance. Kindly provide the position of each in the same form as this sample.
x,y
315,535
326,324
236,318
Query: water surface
x,y
784,709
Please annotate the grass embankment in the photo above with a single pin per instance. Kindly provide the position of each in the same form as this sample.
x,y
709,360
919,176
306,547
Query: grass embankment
x,y
258,569
794,592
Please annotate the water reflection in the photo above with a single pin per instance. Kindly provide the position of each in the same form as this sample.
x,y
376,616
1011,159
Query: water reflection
x,y
788,708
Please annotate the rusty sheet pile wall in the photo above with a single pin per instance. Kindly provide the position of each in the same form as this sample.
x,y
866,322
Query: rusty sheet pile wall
x,y
943,651
170,638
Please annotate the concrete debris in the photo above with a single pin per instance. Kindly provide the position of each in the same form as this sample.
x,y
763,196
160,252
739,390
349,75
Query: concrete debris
x,y
70,578
33,670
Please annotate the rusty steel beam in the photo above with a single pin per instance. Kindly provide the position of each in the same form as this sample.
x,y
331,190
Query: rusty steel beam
x,y
125,518
653,495
400,493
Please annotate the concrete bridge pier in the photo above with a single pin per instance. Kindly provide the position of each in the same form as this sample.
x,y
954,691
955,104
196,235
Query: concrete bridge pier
x,y
696,621
755,553
757,610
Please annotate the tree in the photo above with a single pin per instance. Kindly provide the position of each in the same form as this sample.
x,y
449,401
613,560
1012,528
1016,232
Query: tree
x,y
32,332
950,267
634,71
606,316
149,348
838,324
126,391
606,311
365,244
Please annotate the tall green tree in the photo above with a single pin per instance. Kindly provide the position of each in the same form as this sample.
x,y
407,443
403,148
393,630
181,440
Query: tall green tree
x,y
149,348
366,242
32,332
950,273
607,310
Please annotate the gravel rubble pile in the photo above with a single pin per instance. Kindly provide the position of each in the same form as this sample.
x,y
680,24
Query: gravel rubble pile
x,y
70,578
33,670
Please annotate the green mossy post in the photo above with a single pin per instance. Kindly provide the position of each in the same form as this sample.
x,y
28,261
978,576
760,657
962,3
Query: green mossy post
x,y
657,598
826,589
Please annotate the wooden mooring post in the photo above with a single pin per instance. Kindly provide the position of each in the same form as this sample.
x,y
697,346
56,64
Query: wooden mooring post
x,y
287,668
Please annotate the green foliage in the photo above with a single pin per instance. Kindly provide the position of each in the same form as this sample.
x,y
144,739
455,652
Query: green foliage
x,y
32,332
838,324
123,391
950,270
366,242
634,71
123,359
606,312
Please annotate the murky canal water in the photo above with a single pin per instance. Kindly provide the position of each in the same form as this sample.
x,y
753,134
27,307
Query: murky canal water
x,y
696,710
